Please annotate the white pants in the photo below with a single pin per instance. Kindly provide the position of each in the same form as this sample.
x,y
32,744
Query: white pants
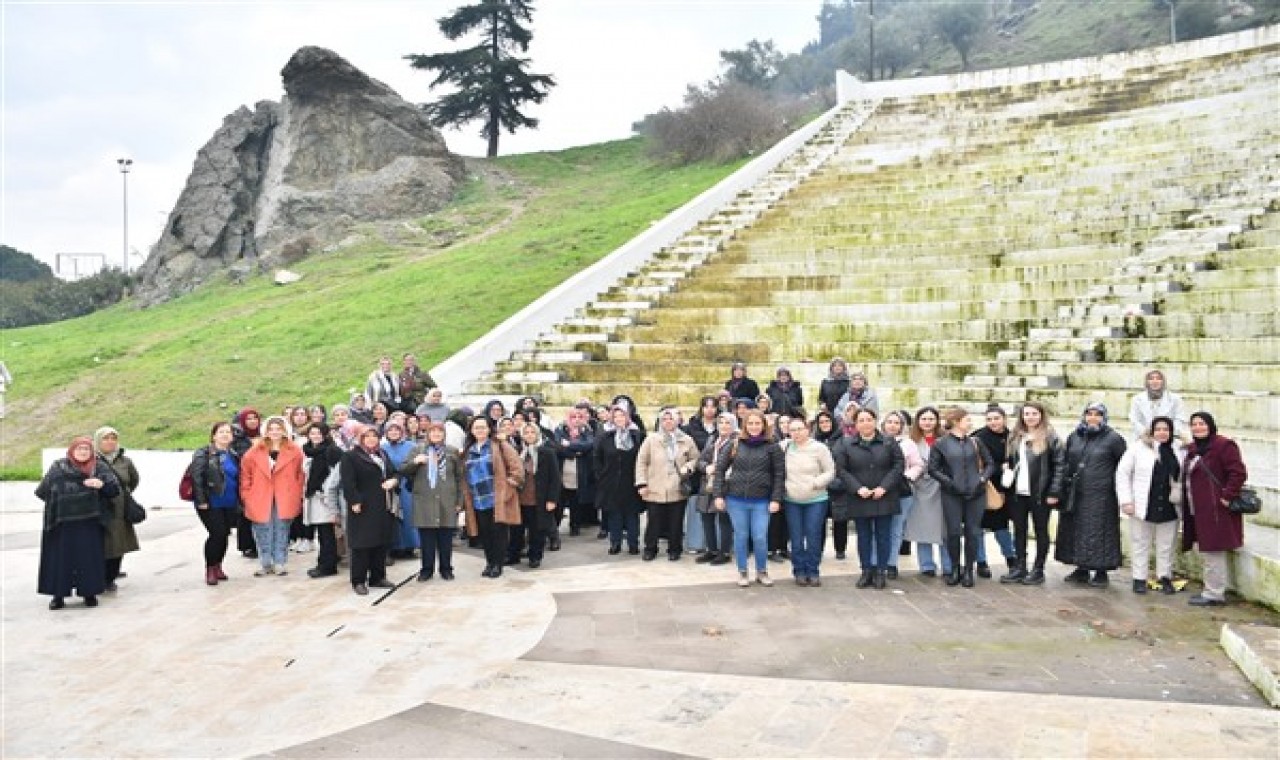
x,y
1142,535
1215,575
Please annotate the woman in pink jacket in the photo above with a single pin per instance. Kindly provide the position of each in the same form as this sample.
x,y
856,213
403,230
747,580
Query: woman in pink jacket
x,y
271,486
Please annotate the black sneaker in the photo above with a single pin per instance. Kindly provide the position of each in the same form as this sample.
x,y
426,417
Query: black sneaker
x,y
706,557
1079,576
602,534
984,570
1199,600
91,601
1167,587
423,577
57,603
1034,578
649,555
615,549
893,573
1014,576
1100,579
721,559
1139,587
534,564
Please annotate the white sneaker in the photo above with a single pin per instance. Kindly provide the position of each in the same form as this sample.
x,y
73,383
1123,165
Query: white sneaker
x,y
279,570
293,545
304,545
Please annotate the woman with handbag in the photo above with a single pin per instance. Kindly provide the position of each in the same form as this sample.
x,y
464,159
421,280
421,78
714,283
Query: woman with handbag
x,y
1033,474
716,525
666,461
1149,487
1089,526
1214,475
962,466
121,538
75,491
215,487
995,436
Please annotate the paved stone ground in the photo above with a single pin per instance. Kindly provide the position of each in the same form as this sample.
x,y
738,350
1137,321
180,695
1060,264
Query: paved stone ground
x,y
596,656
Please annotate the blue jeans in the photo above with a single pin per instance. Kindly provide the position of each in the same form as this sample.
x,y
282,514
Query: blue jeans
x,y
905,505
695,538
272,538
924,553
807,524
750,519
873,541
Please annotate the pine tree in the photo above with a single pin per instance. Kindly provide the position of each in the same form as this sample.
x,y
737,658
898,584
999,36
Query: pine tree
x,y
491,80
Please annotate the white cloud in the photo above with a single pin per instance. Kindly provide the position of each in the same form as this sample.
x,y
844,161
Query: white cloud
x,y
86,84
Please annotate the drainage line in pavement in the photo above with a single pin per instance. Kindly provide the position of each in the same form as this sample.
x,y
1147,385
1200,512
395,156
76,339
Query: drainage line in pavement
x,y
392,590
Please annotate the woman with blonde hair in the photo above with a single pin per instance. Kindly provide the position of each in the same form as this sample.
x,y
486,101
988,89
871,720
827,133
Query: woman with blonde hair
x,y
271,488
1034,467
750,481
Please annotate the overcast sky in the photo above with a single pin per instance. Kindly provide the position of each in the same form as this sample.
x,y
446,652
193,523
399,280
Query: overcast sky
x,y
87,83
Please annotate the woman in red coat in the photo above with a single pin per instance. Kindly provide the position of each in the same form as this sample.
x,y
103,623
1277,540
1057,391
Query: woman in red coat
x,y
271,486
1215,473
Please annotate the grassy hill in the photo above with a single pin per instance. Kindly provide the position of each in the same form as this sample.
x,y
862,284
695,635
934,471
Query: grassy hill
x,y
521,225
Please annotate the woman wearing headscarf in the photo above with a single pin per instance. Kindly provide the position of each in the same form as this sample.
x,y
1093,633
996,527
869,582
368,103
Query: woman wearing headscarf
x,y
1213,476
574,440
120,535
1089,526
215,485
666,461
538,497
359,409
834,385
750,482
628,403
492,495
272,482
1035,469
717,527
1155,400
785,393
859,396
320,511
75,491
739,385
1149,487
245,433
434,406
438,479
370,486
398,448
614,465
961,465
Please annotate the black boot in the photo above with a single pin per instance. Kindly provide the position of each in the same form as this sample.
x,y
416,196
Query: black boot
x,y
1034,578
953,577
865,580
1079,576
967,580
880,578
1016,573
984,570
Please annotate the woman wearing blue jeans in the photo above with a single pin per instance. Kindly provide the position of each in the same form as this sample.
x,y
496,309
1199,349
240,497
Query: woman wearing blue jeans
x,y
895,425
810,469
870,465
750,482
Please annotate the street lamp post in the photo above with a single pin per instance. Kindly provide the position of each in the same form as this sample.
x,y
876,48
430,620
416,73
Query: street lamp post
x,y
125,164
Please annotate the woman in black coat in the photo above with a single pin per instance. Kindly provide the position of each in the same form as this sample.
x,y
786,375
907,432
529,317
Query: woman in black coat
x,y
962,466
739,385
614,466
1089,526
1035,468
574,441
538,497
369,485
76,492
870,466
786,397
995,436
834,385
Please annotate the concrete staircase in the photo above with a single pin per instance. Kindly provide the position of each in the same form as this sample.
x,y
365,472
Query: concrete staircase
x,y
1048,239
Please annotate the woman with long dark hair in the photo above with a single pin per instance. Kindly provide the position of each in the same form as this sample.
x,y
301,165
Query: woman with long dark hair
x,y
215,481
1214,475
926,525
320,511
962,466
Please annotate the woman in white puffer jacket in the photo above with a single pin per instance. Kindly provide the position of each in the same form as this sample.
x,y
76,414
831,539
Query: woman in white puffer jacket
x,y
1148,487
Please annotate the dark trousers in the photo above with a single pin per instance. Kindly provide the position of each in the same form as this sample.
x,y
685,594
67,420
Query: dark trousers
x,y
779,534
580,514
298,530
492,536
964,519
218,523
327,557
722,544
623,519
874,532
665,519
368,565
840,535
531,530
436,542
1020,508
244,533
111,569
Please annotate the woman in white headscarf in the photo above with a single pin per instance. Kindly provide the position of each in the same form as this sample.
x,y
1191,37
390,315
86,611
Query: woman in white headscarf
x,y
664,465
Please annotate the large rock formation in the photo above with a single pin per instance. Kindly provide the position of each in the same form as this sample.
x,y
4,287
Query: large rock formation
x,y
340,148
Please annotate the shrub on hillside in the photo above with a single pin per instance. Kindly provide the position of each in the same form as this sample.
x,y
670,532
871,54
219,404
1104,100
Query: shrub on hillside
x,y
720,122
18,266
39,302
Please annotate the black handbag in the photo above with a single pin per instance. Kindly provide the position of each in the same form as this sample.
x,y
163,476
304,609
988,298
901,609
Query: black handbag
x,y
133,511
1248,502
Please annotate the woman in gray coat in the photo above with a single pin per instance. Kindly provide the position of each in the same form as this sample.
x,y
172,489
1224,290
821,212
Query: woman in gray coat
x,y
437,476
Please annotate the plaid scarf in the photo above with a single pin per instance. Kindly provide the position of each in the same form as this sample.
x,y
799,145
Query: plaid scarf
x,y
480,476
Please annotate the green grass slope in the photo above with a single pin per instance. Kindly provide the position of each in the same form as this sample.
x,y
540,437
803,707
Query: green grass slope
x,y
521,225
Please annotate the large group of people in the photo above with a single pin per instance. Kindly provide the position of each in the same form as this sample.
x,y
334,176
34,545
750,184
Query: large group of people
x,y
749,478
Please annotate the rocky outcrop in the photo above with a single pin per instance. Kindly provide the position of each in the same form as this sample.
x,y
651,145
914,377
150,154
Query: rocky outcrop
x,y
339,149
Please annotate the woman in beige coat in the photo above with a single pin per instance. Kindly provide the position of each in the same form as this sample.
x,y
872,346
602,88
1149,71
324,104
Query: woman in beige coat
x,y
664,465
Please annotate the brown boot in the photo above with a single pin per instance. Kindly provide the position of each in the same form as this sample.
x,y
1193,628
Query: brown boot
x,y
211,576
217,570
